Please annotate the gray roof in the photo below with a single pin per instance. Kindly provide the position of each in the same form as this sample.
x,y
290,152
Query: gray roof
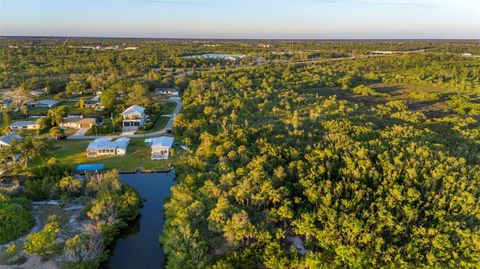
x,y
7,139
49,102
23,123
134,110
162,142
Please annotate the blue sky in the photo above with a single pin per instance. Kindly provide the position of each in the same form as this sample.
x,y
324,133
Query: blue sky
x,y
323,19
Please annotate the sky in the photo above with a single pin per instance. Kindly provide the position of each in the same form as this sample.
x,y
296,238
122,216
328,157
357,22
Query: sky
x,y
281,19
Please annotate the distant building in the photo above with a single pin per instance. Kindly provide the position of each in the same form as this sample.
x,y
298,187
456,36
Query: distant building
x,y
6,140
134,116
6,103
94,103
24,125
37,92
161,147
78,122
93,91
47,103
166,91
107,146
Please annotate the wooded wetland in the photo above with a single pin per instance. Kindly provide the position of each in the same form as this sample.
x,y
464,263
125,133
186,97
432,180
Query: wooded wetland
x,y
302,154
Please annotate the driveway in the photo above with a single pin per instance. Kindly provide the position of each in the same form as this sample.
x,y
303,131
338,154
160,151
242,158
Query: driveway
x,y
80,133
167,127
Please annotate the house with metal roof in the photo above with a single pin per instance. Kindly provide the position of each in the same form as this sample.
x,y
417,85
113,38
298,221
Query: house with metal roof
x,y
48,103
134,117
6,140
24,125
108,146
161,147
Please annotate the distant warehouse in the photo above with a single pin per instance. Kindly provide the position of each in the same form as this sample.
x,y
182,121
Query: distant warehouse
x,y
107,146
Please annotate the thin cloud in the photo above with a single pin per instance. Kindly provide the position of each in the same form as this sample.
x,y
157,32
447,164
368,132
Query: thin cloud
x,y
378,3
174,2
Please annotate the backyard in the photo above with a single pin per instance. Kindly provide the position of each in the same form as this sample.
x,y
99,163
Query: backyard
x,y
72,153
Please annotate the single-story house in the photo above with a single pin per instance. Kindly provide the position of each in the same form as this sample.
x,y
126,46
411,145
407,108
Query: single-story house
x,y
94,103
24,125
78,122
37,92
107,146
166,91
6,103
6,140
134,116
161,147
48,103
93,91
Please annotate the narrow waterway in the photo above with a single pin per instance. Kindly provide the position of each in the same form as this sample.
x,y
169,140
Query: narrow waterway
x,y
139,246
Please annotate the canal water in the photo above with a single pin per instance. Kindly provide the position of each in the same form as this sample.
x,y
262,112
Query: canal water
x,y
139,246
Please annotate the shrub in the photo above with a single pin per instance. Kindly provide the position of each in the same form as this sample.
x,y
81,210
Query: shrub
x,y
367,91
16,220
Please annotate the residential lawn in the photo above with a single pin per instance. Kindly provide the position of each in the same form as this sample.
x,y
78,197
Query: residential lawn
x,y
167,108
72,153
159,124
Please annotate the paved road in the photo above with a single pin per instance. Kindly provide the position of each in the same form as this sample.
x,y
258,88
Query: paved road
x,y
167,127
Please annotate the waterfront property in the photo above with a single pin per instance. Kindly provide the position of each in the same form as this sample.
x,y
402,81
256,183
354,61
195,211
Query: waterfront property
x,y
161,147
24,125
108,146
134,117
6,140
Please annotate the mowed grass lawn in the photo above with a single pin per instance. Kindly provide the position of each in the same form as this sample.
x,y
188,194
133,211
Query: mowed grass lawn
x,y
73,153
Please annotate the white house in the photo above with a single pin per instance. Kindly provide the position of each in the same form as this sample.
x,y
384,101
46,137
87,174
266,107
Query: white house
x,y
166,91
48,103
161,147
24,125
37,92
107,146
6,140
134,117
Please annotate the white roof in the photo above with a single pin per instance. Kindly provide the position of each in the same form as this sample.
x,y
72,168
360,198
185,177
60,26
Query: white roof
x,y
7,139
50,102
109,144
161,142
23,123
134,110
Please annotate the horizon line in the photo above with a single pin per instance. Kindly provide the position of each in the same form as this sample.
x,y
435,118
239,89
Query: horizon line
x,y
239,38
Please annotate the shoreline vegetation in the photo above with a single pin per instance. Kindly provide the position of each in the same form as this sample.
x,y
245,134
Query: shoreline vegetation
x,y
79,224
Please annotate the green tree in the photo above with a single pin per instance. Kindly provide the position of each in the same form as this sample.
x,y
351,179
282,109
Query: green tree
x,y
44,243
